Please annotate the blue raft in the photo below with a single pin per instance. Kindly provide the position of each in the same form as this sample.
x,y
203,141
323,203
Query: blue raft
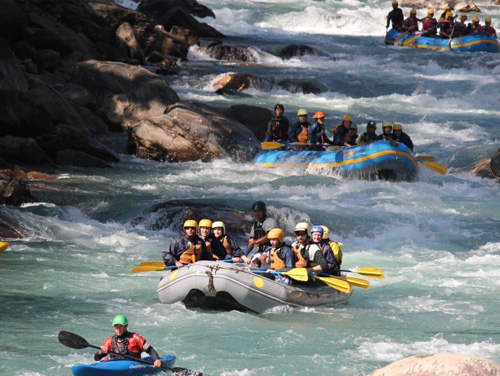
x,y
466,43
378,159
122,367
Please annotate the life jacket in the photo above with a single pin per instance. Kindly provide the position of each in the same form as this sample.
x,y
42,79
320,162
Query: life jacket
x,y
335,128
276,262
122,347
227,246
411,24
258,231
337,252
302,137
300,261
279,131
191,254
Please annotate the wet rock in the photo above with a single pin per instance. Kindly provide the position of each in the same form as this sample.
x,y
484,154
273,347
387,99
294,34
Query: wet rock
x,y
190,132
14,190
127,40
189,37
253,117
12,21
495,165
489,167
172,214
219,51
442,364
22,150
9,231
46,39
46,60
123,94
230,93
77,158
179,16
235,81
168,45
156,8
293,50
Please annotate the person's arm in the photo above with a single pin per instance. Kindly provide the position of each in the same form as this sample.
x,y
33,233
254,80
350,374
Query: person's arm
x,y
288,259
169,254
103,351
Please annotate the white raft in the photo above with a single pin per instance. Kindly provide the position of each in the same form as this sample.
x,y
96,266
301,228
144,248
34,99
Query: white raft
x,y
219,285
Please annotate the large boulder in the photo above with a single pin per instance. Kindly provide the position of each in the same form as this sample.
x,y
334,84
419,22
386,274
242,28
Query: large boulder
x,y
14,190
253,117
157,8
495,165
442,364
293,50
190,132
127,40
218,50
12,21
489,167
179,16
123,94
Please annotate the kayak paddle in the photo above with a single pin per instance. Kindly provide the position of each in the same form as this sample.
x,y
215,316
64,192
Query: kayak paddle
x,y
74,341
434,166
425,158
152,268
299,274
3,246
367,272
336,283
356,282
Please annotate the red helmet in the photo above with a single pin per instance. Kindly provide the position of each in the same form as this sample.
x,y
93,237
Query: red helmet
x,y
319,115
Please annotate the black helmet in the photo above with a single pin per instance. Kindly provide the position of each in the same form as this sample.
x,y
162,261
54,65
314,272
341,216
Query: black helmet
x,y
279,106
259,205
371,123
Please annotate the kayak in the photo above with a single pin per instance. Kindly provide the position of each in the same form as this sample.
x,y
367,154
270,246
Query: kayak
x,y
466,43
3,246
222,286
377,159
122,367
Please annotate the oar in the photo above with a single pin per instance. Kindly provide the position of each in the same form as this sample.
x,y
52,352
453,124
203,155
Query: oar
x,y
402,36
434,166
353,281
336,283
151,263
270,145
152,268
409,41
3,246
367,272
74,341
300,274
426,158
451,35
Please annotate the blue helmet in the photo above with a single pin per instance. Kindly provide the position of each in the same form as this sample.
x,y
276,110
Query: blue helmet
x,y
316,229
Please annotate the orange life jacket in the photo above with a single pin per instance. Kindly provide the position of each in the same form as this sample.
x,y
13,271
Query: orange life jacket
x,y
226,245
276,262
300,261
191,254
302,137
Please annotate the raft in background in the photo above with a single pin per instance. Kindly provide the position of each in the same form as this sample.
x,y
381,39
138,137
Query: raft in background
x,y
378,159
219,285
466,43
122,367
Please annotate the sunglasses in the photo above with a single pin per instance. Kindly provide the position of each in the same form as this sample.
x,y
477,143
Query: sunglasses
x,y
301,233
190,228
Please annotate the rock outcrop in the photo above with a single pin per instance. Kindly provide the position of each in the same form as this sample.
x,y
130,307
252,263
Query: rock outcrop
x,y
442,364
489,167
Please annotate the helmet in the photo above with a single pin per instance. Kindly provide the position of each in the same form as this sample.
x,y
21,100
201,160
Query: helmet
x,y
475,19
395,2
386,124
346,118
326,232
353,126
317,229
319,115
301,112
413,11
190,223
448,15
371,123
205,223
219,224
120,319
397,127
430,12
463,17
279,106
447,7
259,205
276,233
302,226
487,20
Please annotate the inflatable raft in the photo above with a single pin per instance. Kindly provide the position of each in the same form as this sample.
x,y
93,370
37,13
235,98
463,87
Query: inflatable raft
x,y
466,43
219,285
122,367
377,159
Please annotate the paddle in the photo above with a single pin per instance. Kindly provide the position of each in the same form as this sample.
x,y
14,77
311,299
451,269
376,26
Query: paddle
x,y
402,36
356,282
409,41
426,158
74,341
434,166
299,274
270,145
336,283
151,263
451,35
152,268
367,272
3,246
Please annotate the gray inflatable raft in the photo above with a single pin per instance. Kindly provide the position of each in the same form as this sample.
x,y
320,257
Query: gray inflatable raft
x,y
221,285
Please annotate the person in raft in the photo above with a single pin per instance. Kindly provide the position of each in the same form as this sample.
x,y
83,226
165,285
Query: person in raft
x,y
187,248
281,257
224,246
126,343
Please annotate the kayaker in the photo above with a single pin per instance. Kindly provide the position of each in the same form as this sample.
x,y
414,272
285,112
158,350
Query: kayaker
x,y
410,25
281,257
369,135
278,126
399,136
395,16
258,235
223,245
340,131
205,226
332,252
126,343
317,133
488,28
352,135
429,24
298,131
307,253
187,248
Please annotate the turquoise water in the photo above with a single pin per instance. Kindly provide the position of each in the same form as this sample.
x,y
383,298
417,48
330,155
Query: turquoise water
x,y
437,238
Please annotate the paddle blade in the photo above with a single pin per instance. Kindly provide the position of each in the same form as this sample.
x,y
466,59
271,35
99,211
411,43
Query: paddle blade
x,y
370,272
336,283
145,269
434,166
425,158
3,246
357,282
72,340
299,274
270,145
151,263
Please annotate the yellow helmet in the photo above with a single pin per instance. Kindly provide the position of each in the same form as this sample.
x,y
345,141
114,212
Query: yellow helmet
x,y
276,233
386,124
395,2
448,15
463,16
326,232
190,223
302,112
205,223
219,224
346,118
413,11
446,8
430,12
487,20
302,226
475,19
397,127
